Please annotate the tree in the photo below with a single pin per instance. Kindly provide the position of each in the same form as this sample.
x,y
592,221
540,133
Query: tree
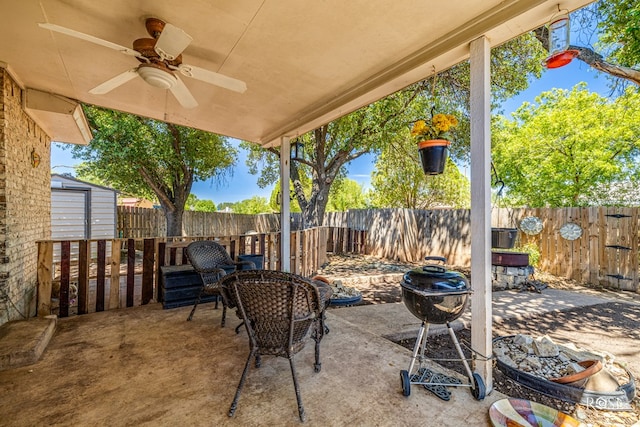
x,y
567,145
332,146
254,205
148,158
344,195
399,182
620,29
225,206
275,200
199,205
614,194
329,148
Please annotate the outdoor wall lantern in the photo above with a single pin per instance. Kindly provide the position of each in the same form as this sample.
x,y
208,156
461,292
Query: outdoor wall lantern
x,y
559,38
297,150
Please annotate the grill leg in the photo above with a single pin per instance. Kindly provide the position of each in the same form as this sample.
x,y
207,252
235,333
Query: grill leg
x,y
460,352
424,327
423,348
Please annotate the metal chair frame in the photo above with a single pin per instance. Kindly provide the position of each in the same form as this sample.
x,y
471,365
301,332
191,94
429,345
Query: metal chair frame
x,y
212,261
280,311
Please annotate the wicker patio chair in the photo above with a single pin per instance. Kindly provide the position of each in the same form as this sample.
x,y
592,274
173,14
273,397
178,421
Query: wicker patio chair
x,y
280,311
211,261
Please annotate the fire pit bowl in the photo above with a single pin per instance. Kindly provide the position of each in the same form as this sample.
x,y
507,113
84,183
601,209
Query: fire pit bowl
x,y
618,400
510,259
434,294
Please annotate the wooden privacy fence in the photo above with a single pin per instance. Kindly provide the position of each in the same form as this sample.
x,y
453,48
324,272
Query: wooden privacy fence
x,y
409,235
136,223
605,254
83,280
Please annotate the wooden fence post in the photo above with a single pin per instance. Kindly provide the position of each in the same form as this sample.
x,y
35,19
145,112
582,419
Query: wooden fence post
x,y
148,258
84,262
45,277
65,268
114,281
100,280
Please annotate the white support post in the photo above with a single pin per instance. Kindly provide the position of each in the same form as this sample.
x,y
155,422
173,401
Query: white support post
x,y
285,205
481,311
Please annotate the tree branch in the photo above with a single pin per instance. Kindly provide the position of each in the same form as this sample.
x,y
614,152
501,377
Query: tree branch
x,y
161,190
595,60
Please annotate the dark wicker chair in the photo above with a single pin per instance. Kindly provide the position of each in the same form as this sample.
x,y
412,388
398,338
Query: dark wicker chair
x,y
211,261
280,311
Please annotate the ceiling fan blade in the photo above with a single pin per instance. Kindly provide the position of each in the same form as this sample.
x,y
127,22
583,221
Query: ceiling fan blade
x,y
172,42
183,94
113,83
213,78
89,38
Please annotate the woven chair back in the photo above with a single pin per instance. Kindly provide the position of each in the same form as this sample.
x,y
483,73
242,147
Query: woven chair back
x,y
278,308
207,255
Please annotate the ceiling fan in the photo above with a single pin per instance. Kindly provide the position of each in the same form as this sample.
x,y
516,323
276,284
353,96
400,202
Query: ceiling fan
x,y
160,57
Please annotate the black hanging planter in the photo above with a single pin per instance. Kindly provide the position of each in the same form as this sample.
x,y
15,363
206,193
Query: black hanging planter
x,y
433,155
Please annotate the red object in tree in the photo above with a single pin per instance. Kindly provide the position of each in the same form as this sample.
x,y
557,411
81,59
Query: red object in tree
x,y
560,59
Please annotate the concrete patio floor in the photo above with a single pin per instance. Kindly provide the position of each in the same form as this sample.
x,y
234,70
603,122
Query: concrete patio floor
x,y
149,366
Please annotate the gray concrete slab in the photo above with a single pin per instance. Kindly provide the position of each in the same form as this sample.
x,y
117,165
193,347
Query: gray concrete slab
x,y
23,342
146,366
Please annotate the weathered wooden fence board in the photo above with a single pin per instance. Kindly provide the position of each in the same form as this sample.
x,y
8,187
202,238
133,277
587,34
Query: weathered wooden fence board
x,y
98,278
142,222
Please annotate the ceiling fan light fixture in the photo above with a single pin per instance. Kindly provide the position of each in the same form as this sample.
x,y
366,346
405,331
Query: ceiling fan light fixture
x,y
157,76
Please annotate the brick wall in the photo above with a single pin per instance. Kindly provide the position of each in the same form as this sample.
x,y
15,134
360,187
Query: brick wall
x,y
25,202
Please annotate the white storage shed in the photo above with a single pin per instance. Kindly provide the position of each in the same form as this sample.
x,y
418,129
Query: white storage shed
x,y
81,210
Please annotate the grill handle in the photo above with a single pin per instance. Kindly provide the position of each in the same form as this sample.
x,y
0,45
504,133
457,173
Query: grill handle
x,y
436,258
434,269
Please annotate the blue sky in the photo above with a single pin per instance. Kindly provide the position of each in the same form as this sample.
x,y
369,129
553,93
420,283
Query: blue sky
x,y
242,185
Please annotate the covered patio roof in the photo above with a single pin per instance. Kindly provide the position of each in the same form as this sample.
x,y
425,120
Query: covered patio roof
x,y
304,63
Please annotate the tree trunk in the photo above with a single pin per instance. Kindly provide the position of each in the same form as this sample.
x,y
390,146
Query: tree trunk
x,y
174,221
313,214
313,209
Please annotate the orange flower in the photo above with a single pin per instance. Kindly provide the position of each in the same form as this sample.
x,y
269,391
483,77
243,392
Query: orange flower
x,y
438,127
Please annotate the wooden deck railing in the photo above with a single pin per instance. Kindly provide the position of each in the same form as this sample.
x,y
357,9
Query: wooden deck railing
x,y
81,281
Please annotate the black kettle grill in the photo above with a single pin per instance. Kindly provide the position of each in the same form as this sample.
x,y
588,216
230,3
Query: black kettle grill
x,y
436,295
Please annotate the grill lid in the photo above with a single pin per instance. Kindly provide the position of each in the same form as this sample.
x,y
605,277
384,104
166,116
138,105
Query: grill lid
x,y
435,278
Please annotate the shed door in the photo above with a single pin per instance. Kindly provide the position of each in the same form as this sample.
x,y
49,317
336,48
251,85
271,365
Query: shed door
x,y
70,214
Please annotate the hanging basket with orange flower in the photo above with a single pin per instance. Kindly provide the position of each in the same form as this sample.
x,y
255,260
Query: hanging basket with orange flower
x,y
433,143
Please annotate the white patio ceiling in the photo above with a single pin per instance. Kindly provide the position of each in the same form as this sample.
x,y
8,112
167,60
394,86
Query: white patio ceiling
x,y
305,63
